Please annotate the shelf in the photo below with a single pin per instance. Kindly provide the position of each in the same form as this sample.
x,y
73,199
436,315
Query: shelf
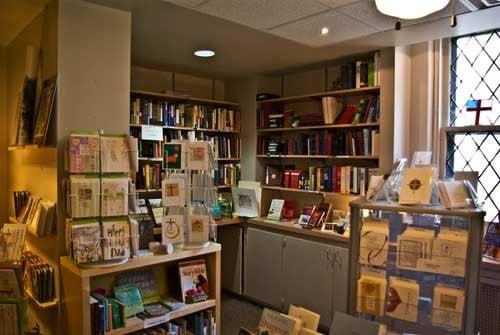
x,y
320,127
317,157
184,98
42,305
29,147
187,128
134,323
228,221
288,189
307,97
153,190
228,159
219,187
135,263
150,159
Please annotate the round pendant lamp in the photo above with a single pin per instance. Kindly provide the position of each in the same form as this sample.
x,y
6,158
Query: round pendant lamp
x,y
410,9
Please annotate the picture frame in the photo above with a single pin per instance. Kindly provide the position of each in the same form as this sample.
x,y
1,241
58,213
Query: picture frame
x,y
245,202
45,109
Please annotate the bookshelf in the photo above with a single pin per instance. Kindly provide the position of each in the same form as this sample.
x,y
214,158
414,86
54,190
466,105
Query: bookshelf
x,y
319,95
181,117
78,282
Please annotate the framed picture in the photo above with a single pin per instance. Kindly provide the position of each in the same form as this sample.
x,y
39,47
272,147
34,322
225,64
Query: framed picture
x,y
45,107
245,202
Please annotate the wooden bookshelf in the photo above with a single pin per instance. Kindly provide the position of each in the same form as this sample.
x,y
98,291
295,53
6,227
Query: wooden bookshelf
x,y
298,190
206,130
41,305
320,127
228,221
181,98
317,157
319,95
134,324
29,147
233,159
78,282
150,159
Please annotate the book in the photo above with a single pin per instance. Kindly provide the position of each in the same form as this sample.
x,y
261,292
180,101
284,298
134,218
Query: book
x,y
115,239
310,320
319,216
114,196
288,211
85,241
275,209
173,192
374,242
198,228
84,196
402,299
416,186
448,306
45,108
144,280
194,281
452,193
371,295
172,229
305,214
130,298
43,222
114,154
274,323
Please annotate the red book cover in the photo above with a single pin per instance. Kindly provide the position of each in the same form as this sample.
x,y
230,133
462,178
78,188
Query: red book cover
x,y
294,178
338,178
367,109
288,211
286,182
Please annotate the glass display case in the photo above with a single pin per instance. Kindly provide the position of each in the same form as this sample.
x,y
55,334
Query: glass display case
x,y
415,269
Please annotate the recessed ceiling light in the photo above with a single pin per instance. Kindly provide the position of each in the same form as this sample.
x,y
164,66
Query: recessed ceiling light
x,y
204,53
324,31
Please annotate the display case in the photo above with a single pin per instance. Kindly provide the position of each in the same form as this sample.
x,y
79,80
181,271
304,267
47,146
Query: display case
x,y
415,269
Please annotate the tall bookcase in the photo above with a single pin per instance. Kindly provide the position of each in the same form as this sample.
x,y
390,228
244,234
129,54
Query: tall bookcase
x,y
306,105
214,120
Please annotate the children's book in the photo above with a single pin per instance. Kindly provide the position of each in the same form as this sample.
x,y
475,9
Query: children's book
x,y
194,281
275,209
128,295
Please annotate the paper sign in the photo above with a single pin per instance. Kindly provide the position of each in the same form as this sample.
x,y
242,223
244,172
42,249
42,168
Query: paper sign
x,y
152,133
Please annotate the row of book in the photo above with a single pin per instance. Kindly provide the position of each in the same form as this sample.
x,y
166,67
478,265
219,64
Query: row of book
x,y
225,147
39,215
39,278
339,179
150,176
92,196
147,111
227,174
362,73
363,142
367,110
92,241
202,323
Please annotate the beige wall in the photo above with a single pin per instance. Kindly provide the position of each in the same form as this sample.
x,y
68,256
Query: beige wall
x,y
3,136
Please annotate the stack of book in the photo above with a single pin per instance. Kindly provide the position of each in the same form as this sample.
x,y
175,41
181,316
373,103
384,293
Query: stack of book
x,y
225,147
149,177
39,278
362,73
367,110
39,216
227,175
147,111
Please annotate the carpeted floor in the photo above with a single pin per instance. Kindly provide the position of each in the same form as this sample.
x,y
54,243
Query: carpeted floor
x,y
236,313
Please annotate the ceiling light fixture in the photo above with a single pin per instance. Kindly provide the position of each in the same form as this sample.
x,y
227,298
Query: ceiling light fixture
x,y
204,53
324,31
410,9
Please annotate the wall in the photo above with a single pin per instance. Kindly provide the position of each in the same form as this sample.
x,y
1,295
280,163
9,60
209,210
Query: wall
x,y
3,136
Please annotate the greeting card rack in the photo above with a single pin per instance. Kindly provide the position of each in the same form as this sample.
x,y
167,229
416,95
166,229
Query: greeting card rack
x,y
188,192
415,268
98,229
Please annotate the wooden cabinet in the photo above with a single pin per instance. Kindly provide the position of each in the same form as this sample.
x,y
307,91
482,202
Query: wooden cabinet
x,y
231,239
281,270
263,267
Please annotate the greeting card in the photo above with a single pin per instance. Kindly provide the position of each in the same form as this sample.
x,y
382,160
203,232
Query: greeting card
x,y
114,196
198,228
83,153
115,154
172,229
448,306
84,197
374,242
116,239
173,191
198,156
402,299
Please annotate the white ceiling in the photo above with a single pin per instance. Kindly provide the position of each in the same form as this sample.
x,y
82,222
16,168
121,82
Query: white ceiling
x,y
301,20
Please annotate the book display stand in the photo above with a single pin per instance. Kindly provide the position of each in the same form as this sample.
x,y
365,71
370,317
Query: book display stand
x,y
98,232
415,268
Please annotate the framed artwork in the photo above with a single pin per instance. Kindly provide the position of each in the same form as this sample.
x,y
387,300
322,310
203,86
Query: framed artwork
x,y
45,108
245,202
172,229
173,191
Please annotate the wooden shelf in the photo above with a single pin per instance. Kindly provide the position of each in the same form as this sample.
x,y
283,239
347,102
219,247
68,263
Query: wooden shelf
x,y
173,97
153,190
223,186
134,323
150,159
315,96
228,221
187,128
320,127
42,305
288,189
317,157
29,147
227,159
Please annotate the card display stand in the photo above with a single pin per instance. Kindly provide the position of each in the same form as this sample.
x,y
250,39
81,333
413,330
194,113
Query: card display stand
x,y
415,268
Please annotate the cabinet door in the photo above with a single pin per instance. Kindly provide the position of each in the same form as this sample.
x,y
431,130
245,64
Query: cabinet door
x,y
340,278
309,276
263,267
231,239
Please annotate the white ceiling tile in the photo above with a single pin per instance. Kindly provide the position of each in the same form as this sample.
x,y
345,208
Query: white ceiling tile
x,y
262,14
186,3
446,12
340,3
306,31
367,12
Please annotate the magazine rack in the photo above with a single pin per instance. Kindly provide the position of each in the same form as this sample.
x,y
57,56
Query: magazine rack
x,y
387,259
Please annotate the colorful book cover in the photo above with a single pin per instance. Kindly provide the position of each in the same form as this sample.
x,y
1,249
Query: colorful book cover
x,y
274,323
86,242
130,297
114,196
194,281
115,154
275,209
116,239
83,153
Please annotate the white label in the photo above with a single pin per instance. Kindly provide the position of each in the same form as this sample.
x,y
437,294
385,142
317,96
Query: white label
x,y
152,133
